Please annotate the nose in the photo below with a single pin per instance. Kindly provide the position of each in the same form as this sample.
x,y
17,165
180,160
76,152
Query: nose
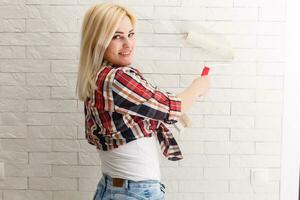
x,y
126,42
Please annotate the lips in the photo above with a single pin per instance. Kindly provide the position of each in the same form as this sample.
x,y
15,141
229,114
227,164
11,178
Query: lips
x,y
125,53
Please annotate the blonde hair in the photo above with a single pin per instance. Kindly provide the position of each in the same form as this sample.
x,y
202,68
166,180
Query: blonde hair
x,y
98,27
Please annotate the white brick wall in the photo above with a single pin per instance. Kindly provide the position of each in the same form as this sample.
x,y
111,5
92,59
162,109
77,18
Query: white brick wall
x,y
231,152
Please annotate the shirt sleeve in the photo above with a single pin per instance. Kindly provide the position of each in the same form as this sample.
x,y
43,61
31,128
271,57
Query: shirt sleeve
x,y
133,94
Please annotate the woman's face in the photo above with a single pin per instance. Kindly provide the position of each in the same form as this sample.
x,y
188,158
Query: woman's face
x,y
120,50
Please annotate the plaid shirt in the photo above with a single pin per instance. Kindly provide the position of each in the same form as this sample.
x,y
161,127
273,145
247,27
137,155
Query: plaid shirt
x,y
125,107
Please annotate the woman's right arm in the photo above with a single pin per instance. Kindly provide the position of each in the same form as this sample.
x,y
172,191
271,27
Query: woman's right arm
x,y
198,87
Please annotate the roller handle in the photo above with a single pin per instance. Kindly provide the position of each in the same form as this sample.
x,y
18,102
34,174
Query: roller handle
x,y
205,71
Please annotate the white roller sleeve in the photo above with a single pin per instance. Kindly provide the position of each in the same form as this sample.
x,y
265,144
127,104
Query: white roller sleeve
x,y
221,47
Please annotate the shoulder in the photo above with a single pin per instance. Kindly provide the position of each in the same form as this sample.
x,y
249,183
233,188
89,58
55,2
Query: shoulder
x,y
128,71
109,71
112,74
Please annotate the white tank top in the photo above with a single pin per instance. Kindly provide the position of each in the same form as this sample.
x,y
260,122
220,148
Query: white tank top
x,y
137,160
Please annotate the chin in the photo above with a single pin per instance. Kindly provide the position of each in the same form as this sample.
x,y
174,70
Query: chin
x,y
124,63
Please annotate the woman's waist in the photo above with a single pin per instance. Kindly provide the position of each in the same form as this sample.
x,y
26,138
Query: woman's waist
x,y
137,159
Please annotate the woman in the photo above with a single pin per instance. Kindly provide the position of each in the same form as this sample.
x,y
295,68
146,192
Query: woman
x,y
124,114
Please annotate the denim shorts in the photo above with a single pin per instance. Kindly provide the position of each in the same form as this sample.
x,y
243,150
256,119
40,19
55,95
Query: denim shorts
x,y
131,190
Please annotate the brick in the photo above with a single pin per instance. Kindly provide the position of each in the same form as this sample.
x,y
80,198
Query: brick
x,y
236,14
216,82
205,134
63,92
12,79
23,65
19,183
143,12
210,108
255,134
12,25
159,80
28,170
245,186
202,160
212,3
179,13
258,109
268,122
267,148
10,105
46,2
74,195
236,68
254,161
157,53
270,42
227,173
64,65
89,158
246,3
190,147
88,184
76,171
203,186
12,52
17,131
27,195
17,11
68,119
41,52
24,92
67,132
274,13
264,95
242,41
66,145
52,105
23,39
258,175
229,121
26,145
230,95
185,196
177,173
229,196
270,68
226,148
270,28
53,183
64,158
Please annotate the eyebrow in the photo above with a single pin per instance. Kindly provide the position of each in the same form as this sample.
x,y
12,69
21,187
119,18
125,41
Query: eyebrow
x,y
123,32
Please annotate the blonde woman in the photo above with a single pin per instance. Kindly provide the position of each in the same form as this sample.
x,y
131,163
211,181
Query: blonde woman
x,y
125,115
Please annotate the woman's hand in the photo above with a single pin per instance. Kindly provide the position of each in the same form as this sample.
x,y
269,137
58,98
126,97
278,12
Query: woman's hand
x,y
202,84
198,87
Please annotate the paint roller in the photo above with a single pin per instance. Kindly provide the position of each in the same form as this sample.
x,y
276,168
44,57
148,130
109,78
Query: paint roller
x,y
220,47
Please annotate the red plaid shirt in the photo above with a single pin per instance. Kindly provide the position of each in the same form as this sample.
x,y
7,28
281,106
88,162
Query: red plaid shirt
x,y
126,107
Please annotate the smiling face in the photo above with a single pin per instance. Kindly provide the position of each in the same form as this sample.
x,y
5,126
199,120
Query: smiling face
x,y
120,50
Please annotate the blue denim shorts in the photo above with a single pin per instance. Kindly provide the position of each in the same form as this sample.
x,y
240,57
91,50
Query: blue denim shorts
x,y
131,190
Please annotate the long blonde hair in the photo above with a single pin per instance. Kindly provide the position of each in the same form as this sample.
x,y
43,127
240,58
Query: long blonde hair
x,y
98,27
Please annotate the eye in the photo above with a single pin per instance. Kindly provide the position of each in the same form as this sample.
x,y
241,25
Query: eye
x,y
116,37
131,34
